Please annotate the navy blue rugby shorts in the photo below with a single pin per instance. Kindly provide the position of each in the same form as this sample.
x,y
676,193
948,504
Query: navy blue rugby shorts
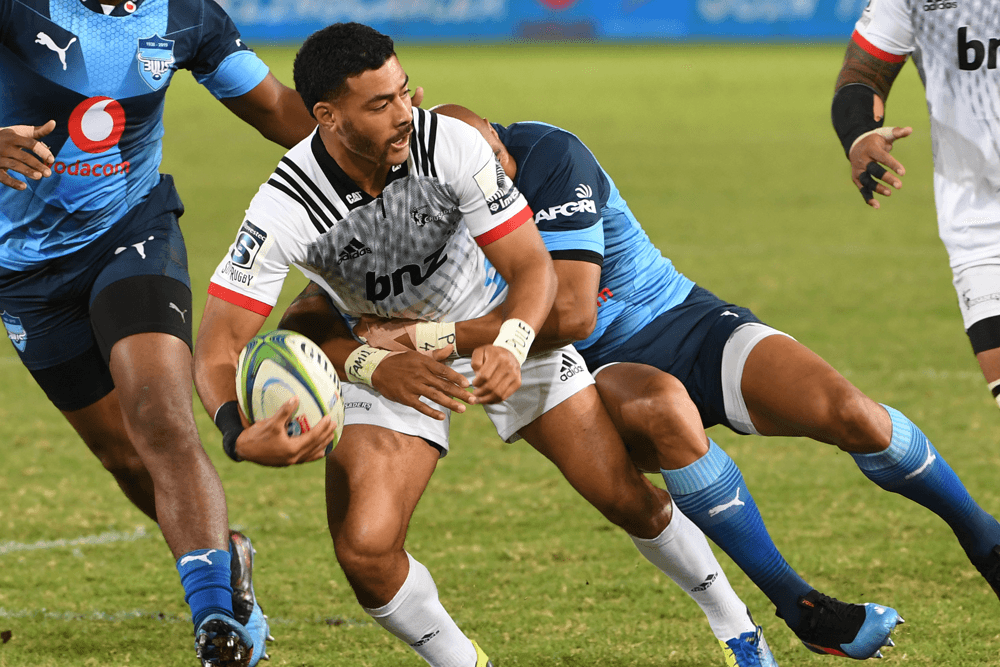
x,y
686,341
64,316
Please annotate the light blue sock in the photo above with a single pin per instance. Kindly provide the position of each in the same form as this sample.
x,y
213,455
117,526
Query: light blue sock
x,y
205,576
912,468
712,493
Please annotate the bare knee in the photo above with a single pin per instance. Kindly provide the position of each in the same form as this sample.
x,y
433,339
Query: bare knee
x,y
370,559
158,421
852,421
663,416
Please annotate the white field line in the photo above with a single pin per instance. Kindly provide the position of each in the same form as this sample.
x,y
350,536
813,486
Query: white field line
x,y
138,614
109,537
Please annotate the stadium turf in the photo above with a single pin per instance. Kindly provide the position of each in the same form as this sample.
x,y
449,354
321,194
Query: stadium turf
x,y
726,155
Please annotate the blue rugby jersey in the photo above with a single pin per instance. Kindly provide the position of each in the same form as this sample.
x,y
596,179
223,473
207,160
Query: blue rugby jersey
x,y
581,216
103,79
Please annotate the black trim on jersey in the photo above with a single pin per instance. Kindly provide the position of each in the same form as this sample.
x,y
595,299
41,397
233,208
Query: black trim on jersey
x,y
278,185
340,181
317,209
415,143
579,256
312,186
422,142
431,137
396,173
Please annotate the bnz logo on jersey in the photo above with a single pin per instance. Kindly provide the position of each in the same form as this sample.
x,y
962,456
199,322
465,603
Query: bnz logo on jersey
x,y
15,331
155,56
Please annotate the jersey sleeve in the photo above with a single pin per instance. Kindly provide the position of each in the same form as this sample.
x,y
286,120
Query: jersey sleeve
x,y
563,181
252,272
489,202
885,30
223,63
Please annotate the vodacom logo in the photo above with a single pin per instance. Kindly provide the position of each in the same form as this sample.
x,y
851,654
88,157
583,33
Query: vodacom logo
x,y
557,4
96,124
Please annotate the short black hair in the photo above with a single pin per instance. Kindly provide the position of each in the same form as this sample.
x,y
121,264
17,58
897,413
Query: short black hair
x,y
331,55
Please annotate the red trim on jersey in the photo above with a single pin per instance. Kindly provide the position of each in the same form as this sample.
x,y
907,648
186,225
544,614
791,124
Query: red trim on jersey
x,y
237,299
873,50
505,228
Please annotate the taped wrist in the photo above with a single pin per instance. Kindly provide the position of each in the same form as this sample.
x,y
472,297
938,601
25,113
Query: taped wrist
x,y
361,363
227,419
516,336
853,113
432,336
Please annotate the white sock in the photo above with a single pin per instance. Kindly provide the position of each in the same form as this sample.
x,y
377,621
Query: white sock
x,y
416,616
682,553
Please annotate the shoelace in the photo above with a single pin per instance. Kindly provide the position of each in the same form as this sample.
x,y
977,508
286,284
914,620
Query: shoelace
x,y
745,649
824,606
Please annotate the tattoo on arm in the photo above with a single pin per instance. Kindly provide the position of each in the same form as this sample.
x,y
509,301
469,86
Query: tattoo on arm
x,y
311,290
861,67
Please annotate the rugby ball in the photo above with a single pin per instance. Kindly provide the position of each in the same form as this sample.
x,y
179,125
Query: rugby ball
x,y
280,364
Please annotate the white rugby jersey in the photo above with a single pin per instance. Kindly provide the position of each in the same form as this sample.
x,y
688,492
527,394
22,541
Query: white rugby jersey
x,y
411,252
955,48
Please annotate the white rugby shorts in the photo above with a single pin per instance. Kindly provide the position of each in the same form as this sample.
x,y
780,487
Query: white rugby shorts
x,y
546,381
977,285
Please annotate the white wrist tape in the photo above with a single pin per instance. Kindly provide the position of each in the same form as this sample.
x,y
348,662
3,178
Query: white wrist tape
x,y
995,390
430,336
884,132
516,336
361,363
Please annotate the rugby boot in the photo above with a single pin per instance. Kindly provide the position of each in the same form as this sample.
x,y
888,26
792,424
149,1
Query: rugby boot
x,y
990,569
481,659
748,650
221,641
849,630
245,607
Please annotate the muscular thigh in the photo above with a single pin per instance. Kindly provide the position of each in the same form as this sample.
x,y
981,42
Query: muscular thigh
x,y
374,478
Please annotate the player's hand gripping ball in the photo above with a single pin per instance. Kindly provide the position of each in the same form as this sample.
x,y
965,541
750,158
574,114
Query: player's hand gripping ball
x,y
275,366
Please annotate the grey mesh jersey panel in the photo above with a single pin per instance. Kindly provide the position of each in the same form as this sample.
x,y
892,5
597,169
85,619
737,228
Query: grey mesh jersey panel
x,y
407,253
421,255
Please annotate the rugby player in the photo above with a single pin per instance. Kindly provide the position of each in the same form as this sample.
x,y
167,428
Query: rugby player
x,y
94,288
396,212
954,47
624,302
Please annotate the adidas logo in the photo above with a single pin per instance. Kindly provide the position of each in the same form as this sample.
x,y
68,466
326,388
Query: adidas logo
x,y
570,367
703,586
426,638
353,250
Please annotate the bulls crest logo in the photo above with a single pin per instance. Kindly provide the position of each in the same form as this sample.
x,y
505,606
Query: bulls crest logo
x,y
15,331
155,56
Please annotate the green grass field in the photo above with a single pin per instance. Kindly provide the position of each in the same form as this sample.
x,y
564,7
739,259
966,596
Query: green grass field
x,y
726,155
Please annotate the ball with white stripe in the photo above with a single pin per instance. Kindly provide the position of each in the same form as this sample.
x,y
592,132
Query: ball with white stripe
x,y
280,364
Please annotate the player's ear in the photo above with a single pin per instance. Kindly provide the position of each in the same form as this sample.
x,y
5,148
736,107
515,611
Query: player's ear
x,y
325,114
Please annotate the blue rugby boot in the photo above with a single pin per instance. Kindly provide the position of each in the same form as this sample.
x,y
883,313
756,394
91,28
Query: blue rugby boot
x,y
220,641
849,630
245,607
748,650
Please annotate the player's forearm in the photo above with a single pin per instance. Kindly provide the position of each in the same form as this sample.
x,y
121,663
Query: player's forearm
x,y
275,110
215,382
560,328
861,67
531,293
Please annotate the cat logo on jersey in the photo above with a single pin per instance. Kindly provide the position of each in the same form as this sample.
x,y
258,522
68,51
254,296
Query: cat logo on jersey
x,y
155,57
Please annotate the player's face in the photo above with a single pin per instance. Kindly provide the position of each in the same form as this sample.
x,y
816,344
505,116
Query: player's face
x,y
375,115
